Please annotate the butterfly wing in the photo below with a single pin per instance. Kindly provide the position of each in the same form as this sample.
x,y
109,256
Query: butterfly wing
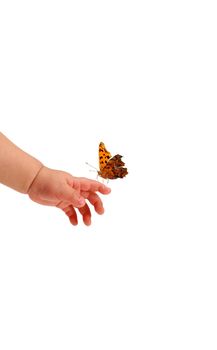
x,y
114,168
104,156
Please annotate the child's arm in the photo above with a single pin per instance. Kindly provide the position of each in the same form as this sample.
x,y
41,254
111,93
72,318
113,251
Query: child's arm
x,y
17,168
26,174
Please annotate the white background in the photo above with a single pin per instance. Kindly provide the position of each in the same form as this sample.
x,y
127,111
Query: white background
x,y
140,76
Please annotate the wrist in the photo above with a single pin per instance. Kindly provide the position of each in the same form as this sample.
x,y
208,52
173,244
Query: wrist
x,y
32,174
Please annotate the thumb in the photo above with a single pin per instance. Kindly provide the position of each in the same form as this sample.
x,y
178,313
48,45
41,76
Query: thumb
x,y
71,195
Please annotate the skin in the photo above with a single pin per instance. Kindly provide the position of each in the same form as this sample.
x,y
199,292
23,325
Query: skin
x,y
24,173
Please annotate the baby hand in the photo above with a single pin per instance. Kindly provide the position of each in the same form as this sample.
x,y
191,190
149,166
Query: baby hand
x,y
60,189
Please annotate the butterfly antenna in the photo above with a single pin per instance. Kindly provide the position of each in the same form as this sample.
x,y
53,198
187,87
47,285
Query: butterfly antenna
x,y
95,169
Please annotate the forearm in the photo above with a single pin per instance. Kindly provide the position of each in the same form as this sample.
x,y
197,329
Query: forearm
x,y
17,168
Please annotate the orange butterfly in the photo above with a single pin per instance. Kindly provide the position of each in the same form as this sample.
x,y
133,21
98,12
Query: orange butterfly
x,y
110,167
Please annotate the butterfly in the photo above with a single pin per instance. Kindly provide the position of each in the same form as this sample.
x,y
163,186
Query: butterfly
x,y
110,167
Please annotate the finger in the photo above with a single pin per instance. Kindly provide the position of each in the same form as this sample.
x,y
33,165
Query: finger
x,y
72,215
86,214
93,186
74,182
95,200
71,195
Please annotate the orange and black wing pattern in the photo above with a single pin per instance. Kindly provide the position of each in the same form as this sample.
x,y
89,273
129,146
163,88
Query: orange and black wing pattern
x,y
110,167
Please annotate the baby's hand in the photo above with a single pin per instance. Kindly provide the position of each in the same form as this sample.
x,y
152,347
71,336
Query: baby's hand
x,y
60,189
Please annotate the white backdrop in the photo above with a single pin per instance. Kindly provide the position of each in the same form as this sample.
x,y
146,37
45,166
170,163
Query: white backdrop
x,y
141,77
